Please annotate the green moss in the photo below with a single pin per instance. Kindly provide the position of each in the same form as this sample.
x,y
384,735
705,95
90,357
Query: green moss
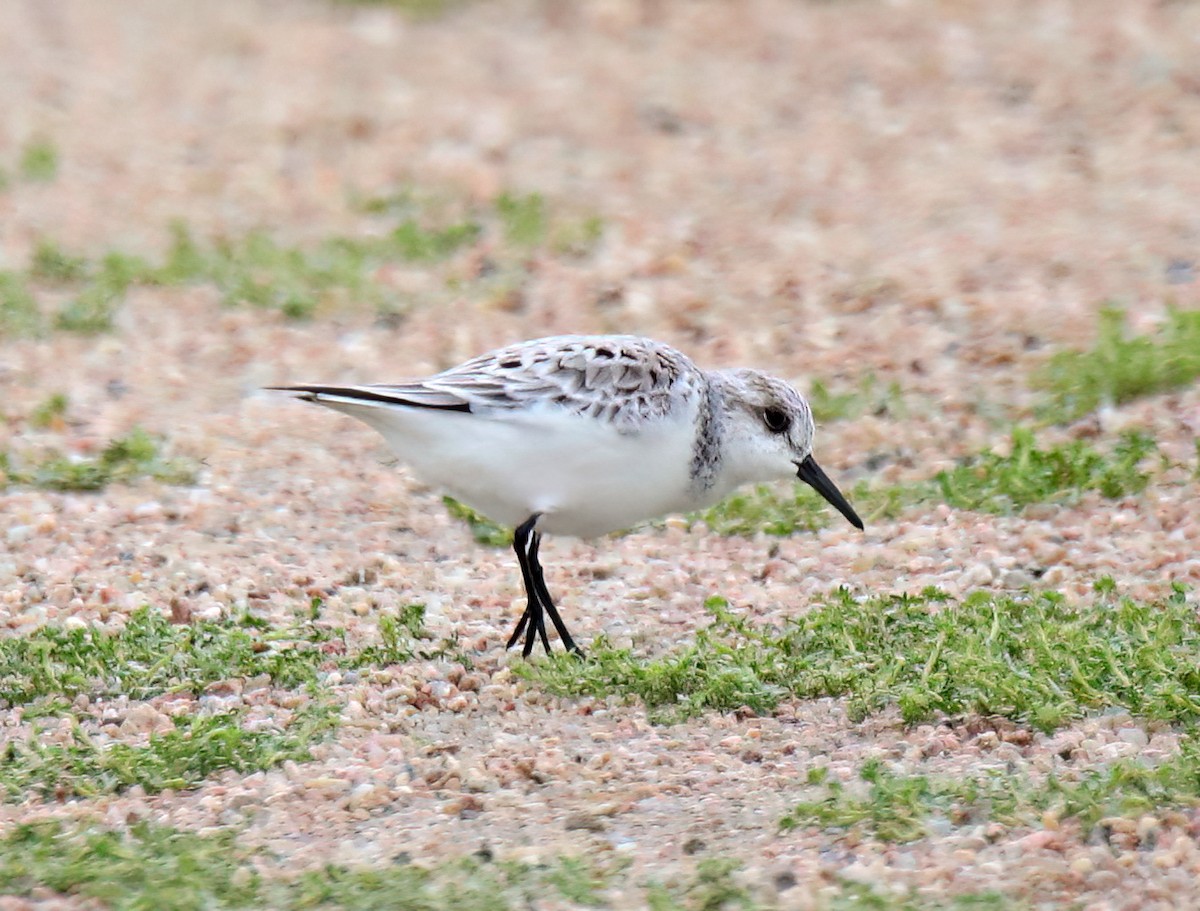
x,y
412,242
90,312
767,510
150,656
577,237
50,411
53,264
1033,658
302,282
136,870
415,9
897,807
19,313
1119,367
198,746
150,867
1004,484
256,271
524,218
866,398
39,160
135,455
483,529
988,482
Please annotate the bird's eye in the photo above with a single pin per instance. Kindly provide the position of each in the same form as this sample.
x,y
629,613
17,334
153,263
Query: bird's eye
x,y
777,420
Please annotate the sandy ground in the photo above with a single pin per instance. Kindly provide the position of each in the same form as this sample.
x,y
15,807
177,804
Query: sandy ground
x,y
940,193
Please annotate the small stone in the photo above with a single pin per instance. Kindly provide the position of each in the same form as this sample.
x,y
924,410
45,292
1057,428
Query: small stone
x,y
1135,736
144,718
1016,578
977,576
19,534
327,783
475,780
367,796
1103,881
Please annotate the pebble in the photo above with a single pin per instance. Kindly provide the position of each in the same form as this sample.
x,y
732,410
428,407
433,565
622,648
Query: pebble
x,y
368,796
18,534
978,575
1016,578
327,783
476,780
1137,737
144,718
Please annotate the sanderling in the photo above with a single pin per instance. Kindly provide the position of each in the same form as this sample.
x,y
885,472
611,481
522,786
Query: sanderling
x,y
584,435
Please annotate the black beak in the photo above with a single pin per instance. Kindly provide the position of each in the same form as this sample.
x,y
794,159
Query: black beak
x,y
811,474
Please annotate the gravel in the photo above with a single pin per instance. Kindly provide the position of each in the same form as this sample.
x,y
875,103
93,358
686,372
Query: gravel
x,y
938,195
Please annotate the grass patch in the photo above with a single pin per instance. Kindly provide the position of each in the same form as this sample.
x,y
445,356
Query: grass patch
x,y
97,290
146,867
866,398
764,509
1119,368
526,223
258,272
415,9
51,413
483,529
1004,484
988,482
578,237
135,455
53,264
199,746
897,807
149,866
1032,658
39,161
19,313
416,244
255,270
150,656
92,311
45,670
524,218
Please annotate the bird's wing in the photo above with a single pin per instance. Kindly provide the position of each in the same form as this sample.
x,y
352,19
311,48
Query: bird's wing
x,y
624,380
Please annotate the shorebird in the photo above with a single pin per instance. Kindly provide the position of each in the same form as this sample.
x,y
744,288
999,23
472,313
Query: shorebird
x,y
584,435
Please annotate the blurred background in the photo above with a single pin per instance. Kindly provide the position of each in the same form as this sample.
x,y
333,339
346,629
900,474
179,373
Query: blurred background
x,y
926,191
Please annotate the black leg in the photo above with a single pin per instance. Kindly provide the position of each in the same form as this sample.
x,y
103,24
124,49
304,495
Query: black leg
x,y
539,581
539,603
532,621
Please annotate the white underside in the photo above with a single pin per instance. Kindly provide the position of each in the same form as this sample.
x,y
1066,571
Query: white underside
x,y
582,476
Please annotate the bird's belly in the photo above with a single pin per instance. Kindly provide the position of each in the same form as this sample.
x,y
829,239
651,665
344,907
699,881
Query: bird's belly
x,y
584,478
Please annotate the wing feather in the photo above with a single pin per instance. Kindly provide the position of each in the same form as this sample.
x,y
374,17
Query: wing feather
x,y
622,379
